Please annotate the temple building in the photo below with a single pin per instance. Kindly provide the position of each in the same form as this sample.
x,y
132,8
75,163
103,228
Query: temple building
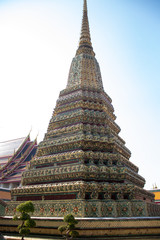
x,y
156,192
82,165
15,155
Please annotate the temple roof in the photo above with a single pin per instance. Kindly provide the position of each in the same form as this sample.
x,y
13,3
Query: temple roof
x,y
14,158
7,148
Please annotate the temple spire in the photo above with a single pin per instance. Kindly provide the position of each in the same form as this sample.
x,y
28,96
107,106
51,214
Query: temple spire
x,y
85,45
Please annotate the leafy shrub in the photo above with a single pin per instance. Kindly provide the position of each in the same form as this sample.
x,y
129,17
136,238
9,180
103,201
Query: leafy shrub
x,y
68,230
24,209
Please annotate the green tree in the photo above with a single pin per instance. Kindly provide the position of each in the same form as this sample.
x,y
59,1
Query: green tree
x,y
68,230
25,209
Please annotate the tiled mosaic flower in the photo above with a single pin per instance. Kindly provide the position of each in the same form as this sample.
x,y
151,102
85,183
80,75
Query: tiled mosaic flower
x,y
75,209
140,209
125,209
94,209
86,209
7,209
109,209
63,210
52,210
41,210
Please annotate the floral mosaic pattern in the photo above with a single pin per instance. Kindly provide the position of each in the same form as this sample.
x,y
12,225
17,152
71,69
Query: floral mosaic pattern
x,y
92,208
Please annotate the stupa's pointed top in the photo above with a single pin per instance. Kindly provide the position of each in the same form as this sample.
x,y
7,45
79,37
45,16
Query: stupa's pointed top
x,y
85,6
85,38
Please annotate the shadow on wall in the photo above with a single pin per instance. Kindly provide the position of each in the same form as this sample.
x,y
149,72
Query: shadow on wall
x,y
2,208
1,237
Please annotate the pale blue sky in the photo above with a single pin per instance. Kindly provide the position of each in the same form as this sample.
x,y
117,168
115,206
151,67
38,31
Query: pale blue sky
x,y
38,40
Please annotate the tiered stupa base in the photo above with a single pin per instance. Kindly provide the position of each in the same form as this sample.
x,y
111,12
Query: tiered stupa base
x,y
85,199
90,208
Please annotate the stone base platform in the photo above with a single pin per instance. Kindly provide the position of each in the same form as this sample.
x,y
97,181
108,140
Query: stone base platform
x,y
91,227
99,238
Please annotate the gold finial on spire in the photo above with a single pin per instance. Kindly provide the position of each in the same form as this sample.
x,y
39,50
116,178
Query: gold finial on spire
x,y
85,45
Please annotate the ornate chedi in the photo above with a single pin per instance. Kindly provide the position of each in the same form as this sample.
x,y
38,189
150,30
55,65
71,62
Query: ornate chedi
x,y
82,166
